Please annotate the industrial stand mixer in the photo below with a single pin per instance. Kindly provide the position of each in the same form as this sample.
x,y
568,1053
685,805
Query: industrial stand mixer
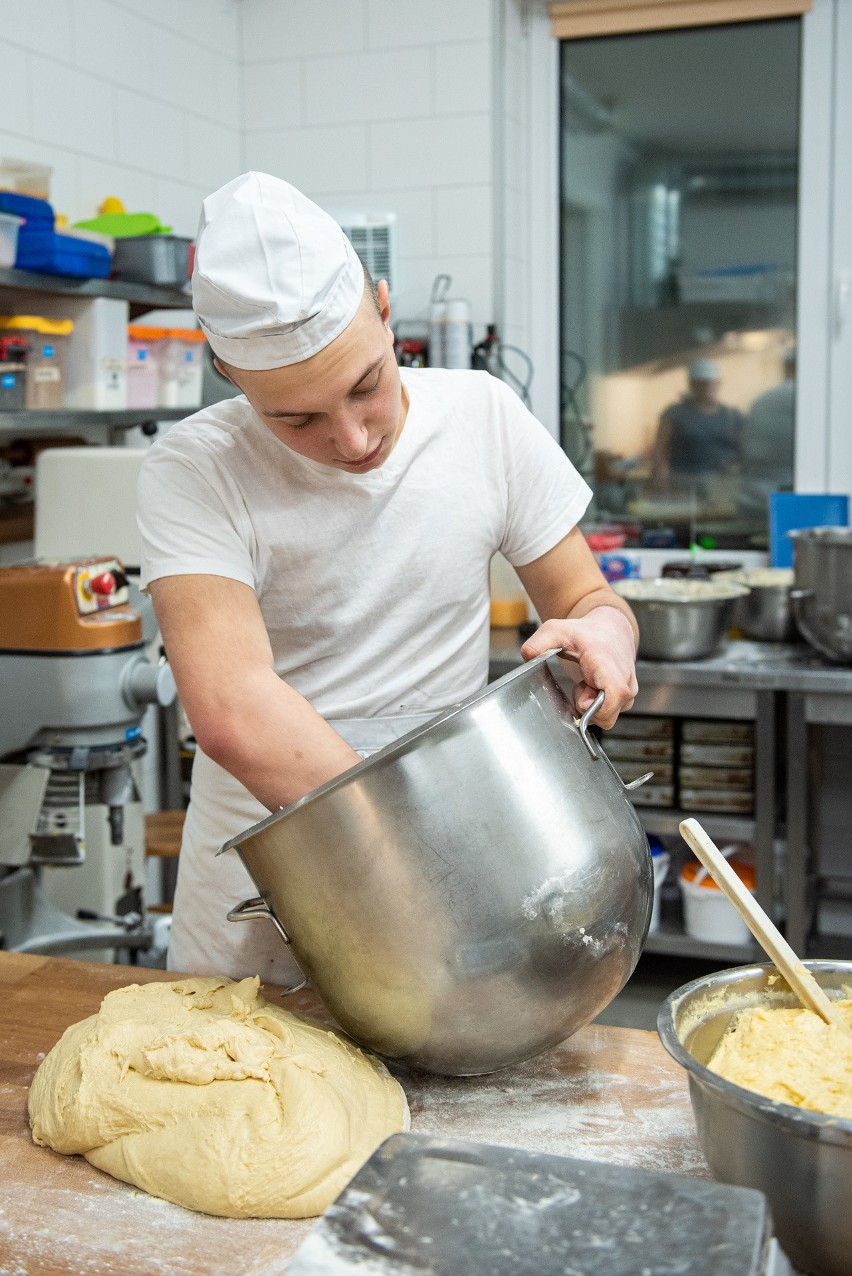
x,y
76,682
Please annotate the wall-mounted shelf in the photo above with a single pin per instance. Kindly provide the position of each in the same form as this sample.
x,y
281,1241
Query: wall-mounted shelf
x,y
142,297
69,418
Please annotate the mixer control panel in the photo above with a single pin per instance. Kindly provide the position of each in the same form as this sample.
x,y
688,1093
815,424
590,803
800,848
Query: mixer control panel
x,y
101,585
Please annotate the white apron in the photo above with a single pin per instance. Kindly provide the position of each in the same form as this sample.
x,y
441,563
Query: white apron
x,y
203,941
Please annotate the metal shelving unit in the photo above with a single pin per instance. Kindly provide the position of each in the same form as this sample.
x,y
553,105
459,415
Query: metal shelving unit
x,y
665,821
142,297
67,418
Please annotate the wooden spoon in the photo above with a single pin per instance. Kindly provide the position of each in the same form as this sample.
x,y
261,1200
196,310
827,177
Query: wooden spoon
x,y
767,935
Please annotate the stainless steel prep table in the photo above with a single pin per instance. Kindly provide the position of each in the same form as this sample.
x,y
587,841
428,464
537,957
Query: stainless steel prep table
x,y
753,681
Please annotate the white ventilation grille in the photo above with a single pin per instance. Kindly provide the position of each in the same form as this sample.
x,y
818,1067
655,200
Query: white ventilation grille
x,y
373,236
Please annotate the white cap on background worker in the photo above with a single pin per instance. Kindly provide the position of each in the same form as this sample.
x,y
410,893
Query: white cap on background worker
x,y
704,370
275,278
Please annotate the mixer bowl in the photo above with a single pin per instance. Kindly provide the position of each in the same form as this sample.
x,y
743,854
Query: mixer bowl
x,y
472,894
801,1160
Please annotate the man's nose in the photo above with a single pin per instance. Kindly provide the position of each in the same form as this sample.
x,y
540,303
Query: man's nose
x,y
350,437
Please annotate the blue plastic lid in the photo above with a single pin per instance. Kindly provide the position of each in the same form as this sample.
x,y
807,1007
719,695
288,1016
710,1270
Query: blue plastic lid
x,y
656,845
27,206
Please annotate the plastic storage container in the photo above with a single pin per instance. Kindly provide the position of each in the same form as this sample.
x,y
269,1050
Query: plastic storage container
x,y
143,375
707,914
180,360
13,373
9,227
96,368
152,259
47,339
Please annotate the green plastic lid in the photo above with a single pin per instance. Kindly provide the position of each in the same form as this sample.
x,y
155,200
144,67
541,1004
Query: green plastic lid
x,y
122,225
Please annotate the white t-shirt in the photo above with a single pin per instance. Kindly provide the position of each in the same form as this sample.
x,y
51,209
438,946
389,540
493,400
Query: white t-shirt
x,y
374,588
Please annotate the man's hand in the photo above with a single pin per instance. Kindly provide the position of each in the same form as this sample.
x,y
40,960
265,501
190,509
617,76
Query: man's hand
x,y
603,644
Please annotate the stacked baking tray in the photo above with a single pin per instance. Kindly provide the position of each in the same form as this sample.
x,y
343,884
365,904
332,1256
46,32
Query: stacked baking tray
x,y
716,766
638,745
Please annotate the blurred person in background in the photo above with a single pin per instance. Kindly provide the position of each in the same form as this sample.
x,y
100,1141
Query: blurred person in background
x,y
698,436
768,444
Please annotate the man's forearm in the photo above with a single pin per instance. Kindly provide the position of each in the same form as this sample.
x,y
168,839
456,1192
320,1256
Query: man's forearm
x,y
274,742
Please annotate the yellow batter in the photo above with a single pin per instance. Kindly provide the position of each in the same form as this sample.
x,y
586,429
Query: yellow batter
x,y
791,1056
204,1093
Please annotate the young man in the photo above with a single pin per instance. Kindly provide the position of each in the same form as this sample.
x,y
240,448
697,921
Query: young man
x,y
317,548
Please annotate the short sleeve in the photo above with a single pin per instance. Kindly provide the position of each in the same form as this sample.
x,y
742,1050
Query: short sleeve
x,y
547,496
188,522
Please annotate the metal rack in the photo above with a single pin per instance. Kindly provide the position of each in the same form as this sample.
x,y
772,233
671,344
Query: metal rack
x,y
142,298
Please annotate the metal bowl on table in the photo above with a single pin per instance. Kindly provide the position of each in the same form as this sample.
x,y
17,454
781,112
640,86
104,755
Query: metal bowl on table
x,y
472,894
801,1160
822,596
766,612
681,619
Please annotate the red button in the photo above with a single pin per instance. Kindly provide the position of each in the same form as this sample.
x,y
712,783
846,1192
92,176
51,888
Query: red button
x,y
103,584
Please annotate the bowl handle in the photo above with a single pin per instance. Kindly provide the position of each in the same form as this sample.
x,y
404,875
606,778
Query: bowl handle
x,y
249,910
597,752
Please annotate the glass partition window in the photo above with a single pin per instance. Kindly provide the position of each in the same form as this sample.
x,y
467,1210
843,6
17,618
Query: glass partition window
x,y
679,171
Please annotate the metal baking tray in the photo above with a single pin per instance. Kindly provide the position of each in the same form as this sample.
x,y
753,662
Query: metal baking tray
x,y
441,1207
653,795
723,801
640,727
716,755
699,731
637,750
711,777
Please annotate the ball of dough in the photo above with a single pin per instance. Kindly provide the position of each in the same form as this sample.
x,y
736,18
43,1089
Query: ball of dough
x,y
205,1094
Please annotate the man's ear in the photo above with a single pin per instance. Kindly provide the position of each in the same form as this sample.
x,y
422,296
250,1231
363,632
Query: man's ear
x,y
222,372
383,302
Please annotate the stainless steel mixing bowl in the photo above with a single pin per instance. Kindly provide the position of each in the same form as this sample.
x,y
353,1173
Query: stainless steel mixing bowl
x,y
766,612
470,895
801,1160
822,597
680,619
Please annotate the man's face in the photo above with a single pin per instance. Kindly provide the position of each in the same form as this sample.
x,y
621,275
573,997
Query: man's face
x,y
705,392
344,406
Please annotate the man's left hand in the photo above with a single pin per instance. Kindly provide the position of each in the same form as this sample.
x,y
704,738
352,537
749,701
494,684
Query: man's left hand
x,y
603,645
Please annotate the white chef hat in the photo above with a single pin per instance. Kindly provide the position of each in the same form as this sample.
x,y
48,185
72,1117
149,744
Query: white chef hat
x,y
275,278
704,370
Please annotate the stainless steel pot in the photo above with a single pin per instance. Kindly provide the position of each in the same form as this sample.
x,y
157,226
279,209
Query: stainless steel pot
x,y
678,625
470,895
801,1160
822,597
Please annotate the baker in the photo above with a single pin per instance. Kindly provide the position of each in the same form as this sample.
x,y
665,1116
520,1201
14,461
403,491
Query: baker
x,y
317,548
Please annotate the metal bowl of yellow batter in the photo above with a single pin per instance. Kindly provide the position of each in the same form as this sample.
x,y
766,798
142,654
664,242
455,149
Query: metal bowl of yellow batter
x,y
800,1159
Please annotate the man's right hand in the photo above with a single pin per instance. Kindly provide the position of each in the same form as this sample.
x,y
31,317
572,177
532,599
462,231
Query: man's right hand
x,y
242,714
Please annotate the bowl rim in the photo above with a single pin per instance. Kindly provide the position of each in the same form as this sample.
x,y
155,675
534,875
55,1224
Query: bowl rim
x,y
398,746
669,586
803,1122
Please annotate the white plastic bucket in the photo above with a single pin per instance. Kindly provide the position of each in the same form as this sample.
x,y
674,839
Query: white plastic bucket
x,y
708,916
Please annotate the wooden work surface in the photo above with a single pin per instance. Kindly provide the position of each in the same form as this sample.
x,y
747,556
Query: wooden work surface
x,y
606,1094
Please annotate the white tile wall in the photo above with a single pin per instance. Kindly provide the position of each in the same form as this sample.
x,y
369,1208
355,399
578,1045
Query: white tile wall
x,y
395,23
134,98
431,152
368,86
314,159
365,104
463,77
276,29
